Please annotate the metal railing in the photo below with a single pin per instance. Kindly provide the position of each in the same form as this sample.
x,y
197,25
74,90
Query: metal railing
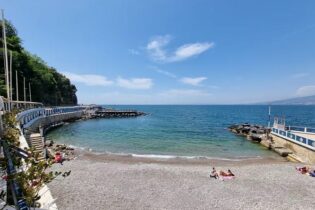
x,y
14,187
286,134
26,117
301,129
20,105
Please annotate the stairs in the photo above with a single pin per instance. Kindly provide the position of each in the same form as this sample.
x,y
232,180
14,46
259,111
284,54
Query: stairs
x,y
35,141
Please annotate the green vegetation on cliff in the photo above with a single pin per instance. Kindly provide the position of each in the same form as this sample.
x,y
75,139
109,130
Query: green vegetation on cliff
x,y
47,85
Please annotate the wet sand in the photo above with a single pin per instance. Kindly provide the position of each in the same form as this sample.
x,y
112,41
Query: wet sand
x,y
100,181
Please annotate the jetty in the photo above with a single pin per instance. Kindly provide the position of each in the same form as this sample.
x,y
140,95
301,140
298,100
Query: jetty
x,y
295,143
300,140
255,133
113,113
260,134
96,111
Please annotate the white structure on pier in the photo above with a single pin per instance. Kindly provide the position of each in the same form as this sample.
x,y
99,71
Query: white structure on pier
x,y
300,139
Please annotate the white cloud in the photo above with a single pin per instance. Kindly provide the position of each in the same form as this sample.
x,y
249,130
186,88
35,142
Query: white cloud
x,y
166,73
88,79
155,47
160,71
135,83
189,50
193,81
133,52
157,51
306,90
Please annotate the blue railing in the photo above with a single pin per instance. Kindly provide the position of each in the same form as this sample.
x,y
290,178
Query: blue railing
x,y
309,143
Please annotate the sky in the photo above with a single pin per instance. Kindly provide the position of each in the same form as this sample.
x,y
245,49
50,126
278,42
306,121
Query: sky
x,y
173,51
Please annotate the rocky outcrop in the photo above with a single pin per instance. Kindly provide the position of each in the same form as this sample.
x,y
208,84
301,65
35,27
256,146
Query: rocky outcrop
x,y
260,134
251,132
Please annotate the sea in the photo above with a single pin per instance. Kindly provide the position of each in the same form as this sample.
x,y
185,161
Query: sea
x,y
188,131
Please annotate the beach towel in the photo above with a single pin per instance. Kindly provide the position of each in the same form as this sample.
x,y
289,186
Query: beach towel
x,y
227,177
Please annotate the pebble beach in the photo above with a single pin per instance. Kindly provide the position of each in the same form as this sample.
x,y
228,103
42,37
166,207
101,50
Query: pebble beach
x,y
99,181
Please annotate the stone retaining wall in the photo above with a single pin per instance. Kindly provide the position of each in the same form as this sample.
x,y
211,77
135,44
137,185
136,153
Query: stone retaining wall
x,y
307,155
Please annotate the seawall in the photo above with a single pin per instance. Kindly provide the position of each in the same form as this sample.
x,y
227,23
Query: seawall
x,y
305,154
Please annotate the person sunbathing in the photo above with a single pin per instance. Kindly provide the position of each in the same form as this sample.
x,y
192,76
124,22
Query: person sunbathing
x,y
312,173
214,174
303,170
58,158
229,173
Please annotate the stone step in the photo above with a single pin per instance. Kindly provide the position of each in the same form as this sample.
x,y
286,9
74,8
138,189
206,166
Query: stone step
x,y
294,158
37,142
36,139
35,135
275,146
266,143
284,152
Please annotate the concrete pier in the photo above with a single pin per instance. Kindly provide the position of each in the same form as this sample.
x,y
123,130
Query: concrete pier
x,y
117,114
295,144
300,140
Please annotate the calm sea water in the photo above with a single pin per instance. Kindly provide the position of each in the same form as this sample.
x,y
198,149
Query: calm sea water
x,y
179,130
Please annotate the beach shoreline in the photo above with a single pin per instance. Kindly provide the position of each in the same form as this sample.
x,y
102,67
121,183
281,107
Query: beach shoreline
x,y
107,181
84,154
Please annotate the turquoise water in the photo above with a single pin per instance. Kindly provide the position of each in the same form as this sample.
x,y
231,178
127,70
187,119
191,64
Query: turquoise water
x,y
179,130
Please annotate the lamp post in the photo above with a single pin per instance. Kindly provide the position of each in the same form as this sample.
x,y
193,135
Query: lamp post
x,y
30,91
6,65
24,91
11,85
17,85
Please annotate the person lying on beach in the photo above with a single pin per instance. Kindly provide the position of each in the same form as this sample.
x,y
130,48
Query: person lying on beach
x,y
58,158
312,173
229,173
303,170
214,174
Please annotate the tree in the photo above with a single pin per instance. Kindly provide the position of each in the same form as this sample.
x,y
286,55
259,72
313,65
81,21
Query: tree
x,y
48,86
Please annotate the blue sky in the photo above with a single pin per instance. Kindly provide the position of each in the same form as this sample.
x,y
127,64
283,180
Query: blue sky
x,y
174,52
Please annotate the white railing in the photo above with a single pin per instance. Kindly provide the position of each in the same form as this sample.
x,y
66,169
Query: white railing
x,y
301,129
20,105
26,118
286,134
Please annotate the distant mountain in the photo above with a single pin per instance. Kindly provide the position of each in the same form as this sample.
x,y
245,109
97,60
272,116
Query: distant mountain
x,y
307,100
